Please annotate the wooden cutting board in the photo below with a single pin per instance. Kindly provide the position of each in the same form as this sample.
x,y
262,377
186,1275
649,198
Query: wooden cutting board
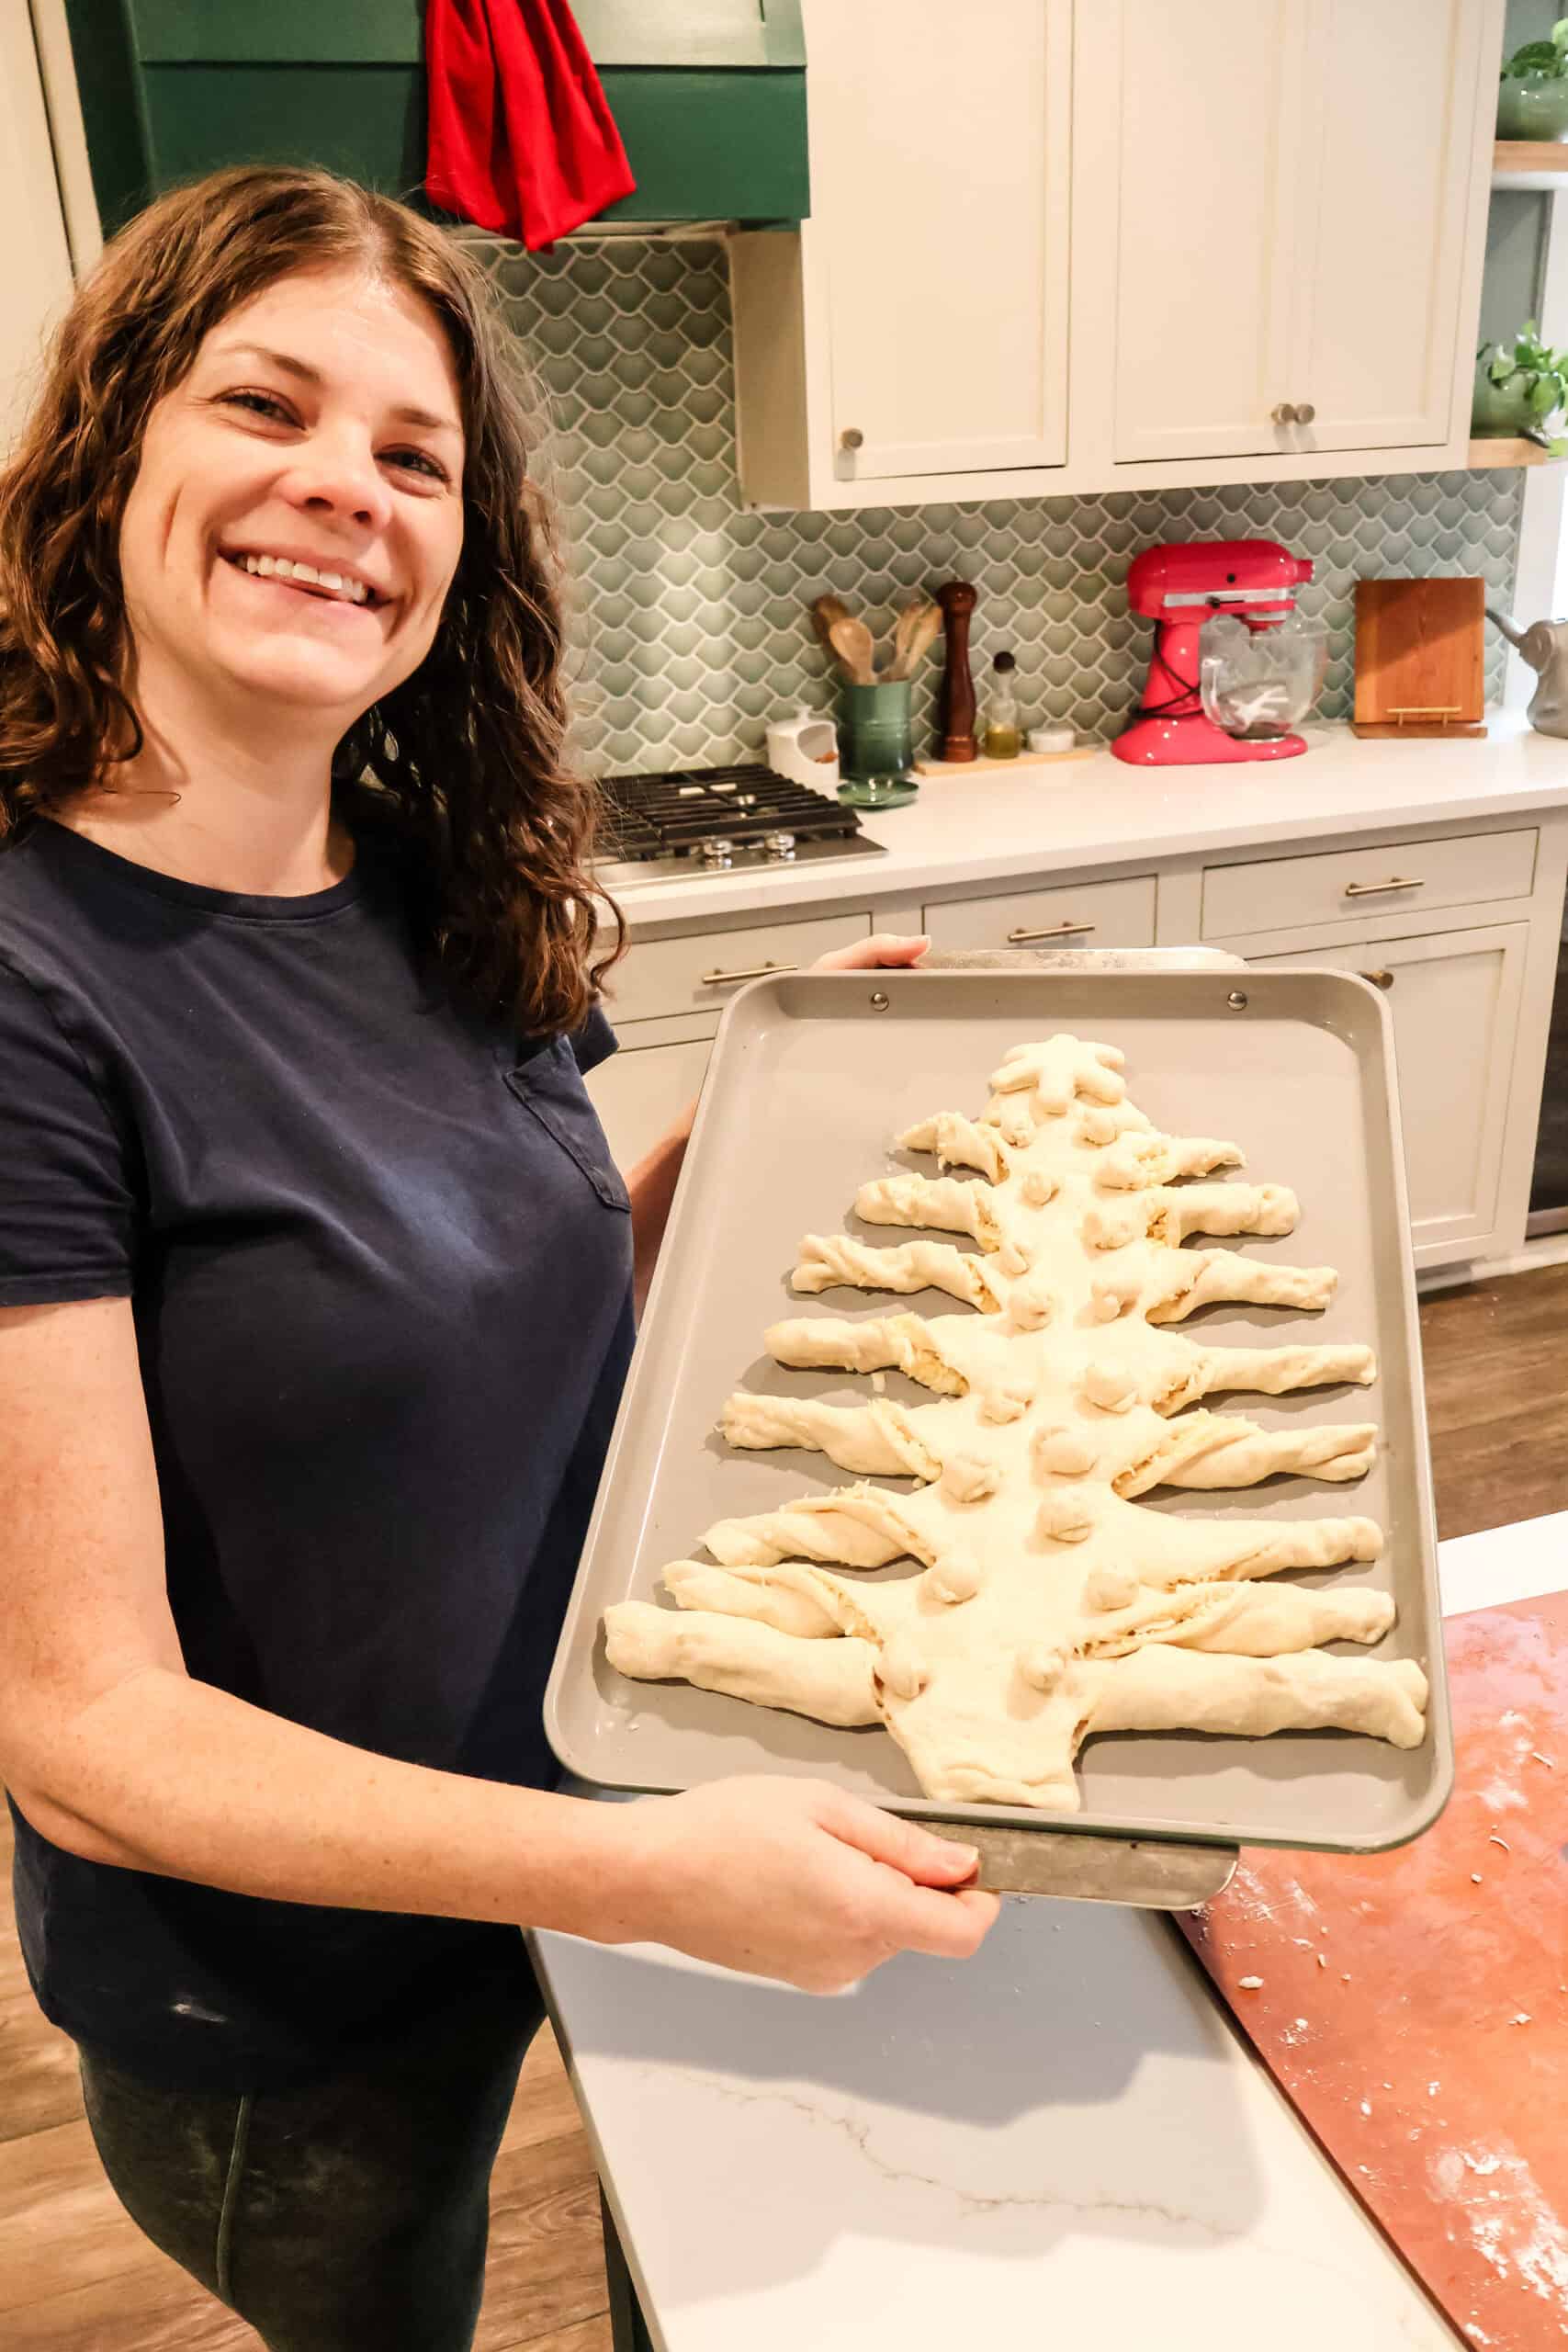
x,y
1414,2006
1421,656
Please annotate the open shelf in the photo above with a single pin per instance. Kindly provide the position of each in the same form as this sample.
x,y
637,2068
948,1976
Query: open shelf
x,y
1530,163
1495,451
1498,452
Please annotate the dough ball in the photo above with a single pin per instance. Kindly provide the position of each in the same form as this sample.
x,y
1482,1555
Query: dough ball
x,y
1014,1258
1111,1589
1112,1229
969,1477
1064,1518
1030,1304
1038,1187
1065,1453
1007,1398
1099,1128
1111,1387
902,1667
1042,1665
956,1576
1112,1294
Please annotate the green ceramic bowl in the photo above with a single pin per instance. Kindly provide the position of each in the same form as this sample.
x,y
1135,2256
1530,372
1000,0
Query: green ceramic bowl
x,y
1532,105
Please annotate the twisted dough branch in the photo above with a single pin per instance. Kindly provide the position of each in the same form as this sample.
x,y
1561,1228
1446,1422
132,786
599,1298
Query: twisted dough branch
x,y
1048,1603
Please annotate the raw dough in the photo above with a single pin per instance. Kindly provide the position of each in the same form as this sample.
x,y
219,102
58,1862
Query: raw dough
x,y
1043,1601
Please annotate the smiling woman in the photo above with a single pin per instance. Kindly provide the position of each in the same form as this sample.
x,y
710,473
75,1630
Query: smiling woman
x,y
316,1276
279,365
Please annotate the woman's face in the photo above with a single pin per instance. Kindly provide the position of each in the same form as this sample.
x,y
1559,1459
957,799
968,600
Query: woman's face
x,y
318,426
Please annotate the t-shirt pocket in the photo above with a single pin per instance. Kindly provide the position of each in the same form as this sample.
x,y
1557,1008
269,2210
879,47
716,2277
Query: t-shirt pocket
x,y
550,1085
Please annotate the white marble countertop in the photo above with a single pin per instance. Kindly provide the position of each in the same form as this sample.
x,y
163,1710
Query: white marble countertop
x,y
1063,2141
1098,813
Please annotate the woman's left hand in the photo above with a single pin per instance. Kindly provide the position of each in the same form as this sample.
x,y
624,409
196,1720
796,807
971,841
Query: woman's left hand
x,y
885,948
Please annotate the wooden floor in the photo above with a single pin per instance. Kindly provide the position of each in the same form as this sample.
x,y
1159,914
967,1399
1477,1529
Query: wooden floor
x,y
76,2276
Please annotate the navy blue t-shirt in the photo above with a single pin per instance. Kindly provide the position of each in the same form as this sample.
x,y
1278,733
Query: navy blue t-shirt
x,y
380,1266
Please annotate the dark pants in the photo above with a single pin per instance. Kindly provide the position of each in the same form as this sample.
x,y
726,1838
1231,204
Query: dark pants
x,y
350,2214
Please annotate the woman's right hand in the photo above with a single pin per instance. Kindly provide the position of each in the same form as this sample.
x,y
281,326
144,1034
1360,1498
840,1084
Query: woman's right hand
x,y
797,1879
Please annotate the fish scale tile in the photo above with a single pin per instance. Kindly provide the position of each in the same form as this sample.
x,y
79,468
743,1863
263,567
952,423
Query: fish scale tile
x,y
687,623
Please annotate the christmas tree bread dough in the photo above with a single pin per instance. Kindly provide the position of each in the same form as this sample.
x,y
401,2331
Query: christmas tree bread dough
x,y
1048,1604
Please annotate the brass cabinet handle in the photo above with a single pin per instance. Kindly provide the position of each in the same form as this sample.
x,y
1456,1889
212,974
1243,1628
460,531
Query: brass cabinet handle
x,y
1286,413
1056,931
851,437
754,972
1377,889
1305,411
1380,978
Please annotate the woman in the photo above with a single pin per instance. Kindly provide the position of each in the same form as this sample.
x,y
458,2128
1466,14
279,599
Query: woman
x,y
315,1275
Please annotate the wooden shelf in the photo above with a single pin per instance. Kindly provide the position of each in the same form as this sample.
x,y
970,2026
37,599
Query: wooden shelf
x,y
1496,452
1530,163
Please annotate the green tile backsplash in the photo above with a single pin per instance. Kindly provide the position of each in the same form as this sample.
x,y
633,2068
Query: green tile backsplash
x,y
690,627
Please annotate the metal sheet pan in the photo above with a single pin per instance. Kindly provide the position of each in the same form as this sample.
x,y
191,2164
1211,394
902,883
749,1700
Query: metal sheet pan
x,y
811,1079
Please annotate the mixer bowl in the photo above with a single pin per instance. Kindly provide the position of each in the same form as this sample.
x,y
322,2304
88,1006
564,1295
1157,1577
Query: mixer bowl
x,y
1260,684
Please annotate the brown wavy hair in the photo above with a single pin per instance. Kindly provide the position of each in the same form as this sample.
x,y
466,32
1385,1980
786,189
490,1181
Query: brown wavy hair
x,y
463,761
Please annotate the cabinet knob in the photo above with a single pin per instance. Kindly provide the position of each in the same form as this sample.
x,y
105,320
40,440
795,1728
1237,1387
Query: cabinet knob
x,y
1380,978
1305,411
1285,414
851,437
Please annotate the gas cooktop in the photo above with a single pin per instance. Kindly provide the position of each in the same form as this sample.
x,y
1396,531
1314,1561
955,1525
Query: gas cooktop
x,y
690,821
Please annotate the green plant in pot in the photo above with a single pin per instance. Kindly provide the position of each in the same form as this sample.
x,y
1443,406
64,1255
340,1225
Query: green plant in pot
x,y
1520,389
1532,94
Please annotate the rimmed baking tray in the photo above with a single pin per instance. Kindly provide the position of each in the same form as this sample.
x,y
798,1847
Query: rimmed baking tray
x,y
811,1079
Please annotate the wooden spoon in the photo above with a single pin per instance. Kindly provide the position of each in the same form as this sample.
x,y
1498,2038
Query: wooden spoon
x,y
913,634
848,640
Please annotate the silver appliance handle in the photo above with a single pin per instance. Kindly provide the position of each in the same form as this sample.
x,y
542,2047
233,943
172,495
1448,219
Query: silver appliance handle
x,y
755,972
1376,890
1056,931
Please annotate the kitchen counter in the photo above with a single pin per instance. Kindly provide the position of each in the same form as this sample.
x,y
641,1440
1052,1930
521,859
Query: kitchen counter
x,y
1062,2141
1098,814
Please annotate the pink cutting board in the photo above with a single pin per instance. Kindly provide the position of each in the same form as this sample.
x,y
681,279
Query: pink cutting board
x,y
1428,2051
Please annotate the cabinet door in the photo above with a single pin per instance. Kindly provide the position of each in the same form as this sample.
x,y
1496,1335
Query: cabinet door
x,y
1455,1001
936,254
642,1089
38,263
1387,182
1206,105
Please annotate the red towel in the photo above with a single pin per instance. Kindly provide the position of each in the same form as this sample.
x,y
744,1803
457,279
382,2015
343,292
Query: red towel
x,y
521,140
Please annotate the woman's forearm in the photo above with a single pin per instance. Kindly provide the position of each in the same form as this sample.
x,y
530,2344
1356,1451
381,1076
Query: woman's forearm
x,y
170,1776
651,1184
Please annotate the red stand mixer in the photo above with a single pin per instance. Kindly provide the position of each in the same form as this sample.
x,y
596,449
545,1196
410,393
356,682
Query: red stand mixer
x,y
1180,588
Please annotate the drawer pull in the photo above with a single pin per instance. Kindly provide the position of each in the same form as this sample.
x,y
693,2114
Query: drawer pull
x,y
752,972
1054,931
1380,978
1377,889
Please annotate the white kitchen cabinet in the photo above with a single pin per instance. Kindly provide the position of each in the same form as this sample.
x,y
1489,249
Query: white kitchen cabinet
x,y
1201,107
1357,885
643,1090
917,324
1119,242
699,972
1455,999
664,999
1118,913
1291,207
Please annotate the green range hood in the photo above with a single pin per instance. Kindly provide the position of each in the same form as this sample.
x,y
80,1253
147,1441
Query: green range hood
x,y
709,97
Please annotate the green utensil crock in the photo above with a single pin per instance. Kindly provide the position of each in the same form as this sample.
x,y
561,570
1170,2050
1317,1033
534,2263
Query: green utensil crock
x,y
875,729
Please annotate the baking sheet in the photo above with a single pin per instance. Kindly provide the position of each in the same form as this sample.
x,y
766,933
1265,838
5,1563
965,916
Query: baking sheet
x,y
811,1077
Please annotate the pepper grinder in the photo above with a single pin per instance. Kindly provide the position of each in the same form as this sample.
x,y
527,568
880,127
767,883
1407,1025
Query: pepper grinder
x,y
956,708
